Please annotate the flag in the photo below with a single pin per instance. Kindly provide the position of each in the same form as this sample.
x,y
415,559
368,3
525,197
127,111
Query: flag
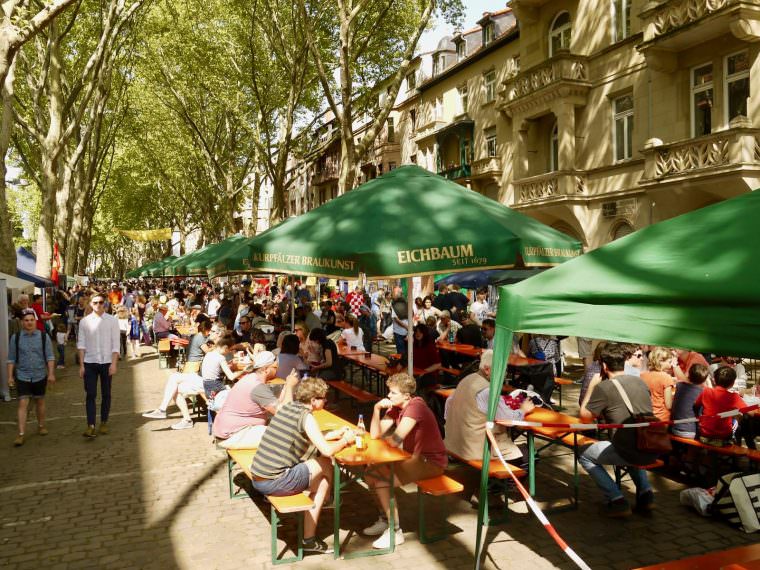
x,y
56,264
147,235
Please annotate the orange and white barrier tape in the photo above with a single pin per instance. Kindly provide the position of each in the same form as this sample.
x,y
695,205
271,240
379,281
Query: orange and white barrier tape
x,y
534,506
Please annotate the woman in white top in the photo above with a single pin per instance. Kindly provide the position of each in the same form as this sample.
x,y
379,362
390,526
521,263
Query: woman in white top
x,y
122,315
428,310
352,334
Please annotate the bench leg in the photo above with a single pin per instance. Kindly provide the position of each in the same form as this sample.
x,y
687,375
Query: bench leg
x,y
234,494
275,521
425,538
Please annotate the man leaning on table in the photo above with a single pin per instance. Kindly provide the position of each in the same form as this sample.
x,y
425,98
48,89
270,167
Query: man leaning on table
x,y
603,399
407,423
279,467
466,414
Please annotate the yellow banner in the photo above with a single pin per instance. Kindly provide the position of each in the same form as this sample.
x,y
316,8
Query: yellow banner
x,y
148,235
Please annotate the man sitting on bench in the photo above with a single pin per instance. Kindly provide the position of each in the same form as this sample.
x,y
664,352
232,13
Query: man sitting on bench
x,y
408,422
278,467
604,400
465,416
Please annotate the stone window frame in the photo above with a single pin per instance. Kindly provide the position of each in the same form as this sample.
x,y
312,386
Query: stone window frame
x,y
489,86
627,130
694,90
492,141
463,92
489,33
555,31
619,7
734,77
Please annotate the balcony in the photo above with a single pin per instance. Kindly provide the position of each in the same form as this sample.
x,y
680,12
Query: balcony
x,y
485,167
727,155
325,174
456,172
564,76
548,187
676,25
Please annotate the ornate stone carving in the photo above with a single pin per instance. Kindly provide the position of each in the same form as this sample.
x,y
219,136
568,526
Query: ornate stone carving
x,y
681,158
673,15
551,185
564,68
537,189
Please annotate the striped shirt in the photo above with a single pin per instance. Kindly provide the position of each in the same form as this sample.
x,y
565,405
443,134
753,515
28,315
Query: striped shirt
x,y
284,443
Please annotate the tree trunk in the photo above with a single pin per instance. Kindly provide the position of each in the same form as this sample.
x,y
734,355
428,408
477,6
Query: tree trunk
x,y
7,249
347,176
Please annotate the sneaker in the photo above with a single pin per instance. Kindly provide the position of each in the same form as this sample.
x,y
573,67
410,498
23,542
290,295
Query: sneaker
x,y
645,502
385,539
60,366
103,429
377,528
155,415
42,431
618,508
316,546
6,397
183,424
90,432
19,441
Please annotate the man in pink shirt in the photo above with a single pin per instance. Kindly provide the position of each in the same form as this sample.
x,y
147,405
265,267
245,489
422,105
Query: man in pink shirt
x,y
251,402
686,359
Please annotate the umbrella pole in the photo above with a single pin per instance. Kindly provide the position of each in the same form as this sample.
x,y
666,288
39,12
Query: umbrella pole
x,y
409,326
292,305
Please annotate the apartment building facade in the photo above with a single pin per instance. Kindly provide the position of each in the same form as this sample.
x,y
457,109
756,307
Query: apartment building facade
x,y
597,117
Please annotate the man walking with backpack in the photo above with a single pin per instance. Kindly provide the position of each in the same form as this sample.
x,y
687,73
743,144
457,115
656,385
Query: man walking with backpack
x,y
31,365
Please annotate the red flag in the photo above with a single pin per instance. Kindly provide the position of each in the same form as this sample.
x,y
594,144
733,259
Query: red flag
x,y
56,264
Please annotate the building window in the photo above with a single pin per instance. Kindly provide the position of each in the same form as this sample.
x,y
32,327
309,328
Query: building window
x,y
463,98
621,230
554,149
438,109
411,81
623,116
490,135
701,100
621,17
559,37
413,120
489,32
391,166
461,50
737,85
489,85
293,211
439,63
391,131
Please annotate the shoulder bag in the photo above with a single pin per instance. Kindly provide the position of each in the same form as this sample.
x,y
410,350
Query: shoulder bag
x,y
649,439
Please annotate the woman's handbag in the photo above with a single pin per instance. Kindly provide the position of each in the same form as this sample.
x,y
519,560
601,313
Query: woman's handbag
x,y
649,439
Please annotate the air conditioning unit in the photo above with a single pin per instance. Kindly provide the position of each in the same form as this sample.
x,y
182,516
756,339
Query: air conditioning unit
x,y
618,208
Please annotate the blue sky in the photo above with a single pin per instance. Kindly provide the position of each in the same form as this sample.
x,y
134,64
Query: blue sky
x,y
473,12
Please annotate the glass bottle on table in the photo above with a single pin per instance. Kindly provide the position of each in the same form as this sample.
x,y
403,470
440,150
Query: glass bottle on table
x,y
360,432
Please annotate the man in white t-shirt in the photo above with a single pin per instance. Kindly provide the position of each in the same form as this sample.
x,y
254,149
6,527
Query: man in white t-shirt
x,y
213,306
480,310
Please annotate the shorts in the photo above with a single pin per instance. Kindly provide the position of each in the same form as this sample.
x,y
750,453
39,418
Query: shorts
x,y
28,389
416,468
211,387
294,480
189,383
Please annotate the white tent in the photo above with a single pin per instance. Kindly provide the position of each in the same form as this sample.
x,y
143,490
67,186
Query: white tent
x,y
12,282
16,285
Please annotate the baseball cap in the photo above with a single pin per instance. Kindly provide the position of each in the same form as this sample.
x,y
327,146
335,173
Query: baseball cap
x,y
263,359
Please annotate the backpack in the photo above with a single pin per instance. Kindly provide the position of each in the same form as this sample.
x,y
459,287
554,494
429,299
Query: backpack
x,y
44,352
737,499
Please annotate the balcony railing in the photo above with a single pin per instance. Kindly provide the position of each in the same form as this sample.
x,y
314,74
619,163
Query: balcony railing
x,y
485,166
325,174
456,172
549,186
564,69
735,147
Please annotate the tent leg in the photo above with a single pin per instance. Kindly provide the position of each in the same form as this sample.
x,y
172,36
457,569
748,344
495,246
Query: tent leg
x,y
410,326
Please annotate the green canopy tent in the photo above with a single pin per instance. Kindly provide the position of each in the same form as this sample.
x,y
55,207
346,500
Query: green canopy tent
x,y
406,223
144,270
157,269
197,265
690,282
177,268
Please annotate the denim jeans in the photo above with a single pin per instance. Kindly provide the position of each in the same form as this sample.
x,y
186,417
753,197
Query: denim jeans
x,y
61,355
400,343
603,453
91,374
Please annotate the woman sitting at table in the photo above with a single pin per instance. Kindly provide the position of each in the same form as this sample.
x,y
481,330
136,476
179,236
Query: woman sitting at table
x,y
425,357
416,430
352,334
288,359
280,467
330,366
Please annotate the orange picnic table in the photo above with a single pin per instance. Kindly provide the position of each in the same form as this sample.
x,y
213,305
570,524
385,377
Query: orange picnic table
x,y
742,558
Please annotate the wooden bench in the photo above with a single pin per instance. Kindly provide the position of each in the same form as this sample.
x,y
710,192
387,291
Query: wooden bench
x,y
558,383
356,394
164,348
730,452
434,487
298,503
623,470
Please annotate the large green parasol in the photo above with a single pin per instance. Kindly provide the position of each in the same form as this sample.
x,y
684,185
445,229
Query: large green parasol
x,y
408,222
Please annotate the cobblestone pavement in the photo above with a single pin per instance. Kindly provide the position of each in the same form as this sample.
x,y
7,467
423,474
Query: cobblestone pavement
x,y
145,496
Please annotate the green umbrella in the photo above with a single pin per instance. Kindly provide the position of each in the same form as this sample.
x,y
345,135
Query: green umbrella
x,y
157,269
178,267
197,265
143,270
408,222
236,260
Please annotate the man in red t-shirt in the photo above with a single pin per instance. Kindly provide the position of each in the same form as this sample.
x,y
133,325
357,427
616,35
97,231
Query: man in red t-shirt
x,y
417,432
42,316
686,359
713,401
